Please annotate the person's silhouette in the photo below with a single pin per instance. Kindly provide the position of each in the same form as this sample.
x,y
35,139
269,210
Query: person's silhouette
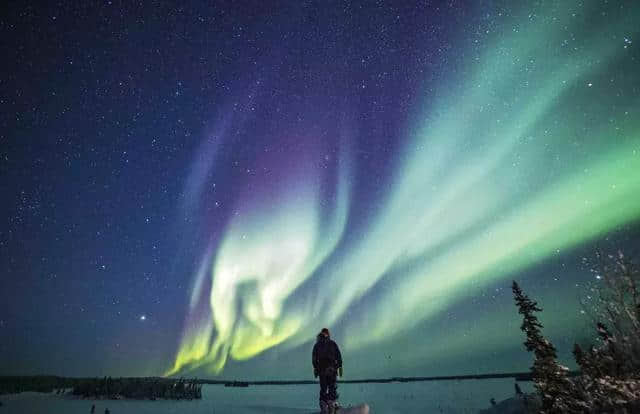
x,y
327,364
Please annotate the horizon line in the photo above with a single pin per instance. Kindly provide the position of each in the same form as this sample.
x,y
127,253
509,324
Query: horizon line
x,y
518,376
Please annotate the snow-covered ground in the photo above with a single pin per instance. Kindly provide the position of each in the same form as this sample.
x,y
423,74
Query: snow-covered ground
x,y
454,397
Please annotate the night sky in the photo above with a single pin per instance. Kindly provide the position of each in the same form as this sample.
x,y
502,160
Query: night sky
x,y
198,190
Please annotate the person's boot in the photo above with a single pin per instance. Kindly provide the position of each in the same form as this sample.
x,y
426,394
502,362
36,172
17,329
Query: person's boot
x,y
332,406
324,407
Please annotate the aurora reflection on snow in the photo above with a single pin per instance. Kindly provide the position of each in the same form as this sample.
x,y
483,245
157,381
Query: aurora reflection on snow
x,y
528,151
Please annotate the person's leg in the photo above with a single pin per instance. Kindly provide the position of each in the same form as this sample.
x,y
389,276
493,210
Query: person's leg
x,y
332,387
323,387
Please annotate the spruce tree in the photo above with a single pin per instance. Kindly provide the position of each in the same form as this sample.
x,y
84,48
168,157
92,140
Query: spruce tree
x,y
550,378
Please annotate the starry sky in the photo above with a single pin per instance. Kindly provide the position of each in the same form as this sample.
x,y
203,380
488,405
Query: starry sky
x,y
198,190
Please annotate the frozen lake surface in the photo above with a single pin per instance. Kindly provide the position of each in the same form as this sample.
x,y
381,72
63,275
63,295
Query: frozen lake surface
x,y
418,397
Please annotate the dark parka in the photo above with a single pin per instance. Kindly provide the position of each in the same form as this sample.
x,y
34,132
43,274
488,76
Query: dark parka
x,y
326,354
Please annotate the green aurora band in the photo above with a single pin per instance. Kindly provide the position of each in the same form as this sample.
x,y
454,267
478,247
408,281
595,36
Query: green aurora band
x,y
532,148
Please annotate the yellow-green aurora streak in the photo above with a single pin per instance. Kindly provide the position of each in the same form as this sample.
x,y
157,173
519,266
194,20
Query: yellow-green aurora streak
x,y
533,147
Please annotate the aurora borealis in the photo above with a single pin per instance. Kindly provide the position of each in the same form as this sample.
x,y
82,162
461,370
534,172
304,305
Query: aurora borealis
x,y
468,202
239,177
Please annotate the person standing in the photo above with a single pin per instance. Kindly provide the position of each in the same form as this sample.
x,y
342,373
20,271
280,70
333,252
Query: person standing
x,y
327,364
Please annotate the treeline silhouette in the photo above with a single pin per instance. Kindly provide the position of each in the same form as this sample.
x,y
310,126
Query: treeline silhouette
x,y
139,388
40,383
151,388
